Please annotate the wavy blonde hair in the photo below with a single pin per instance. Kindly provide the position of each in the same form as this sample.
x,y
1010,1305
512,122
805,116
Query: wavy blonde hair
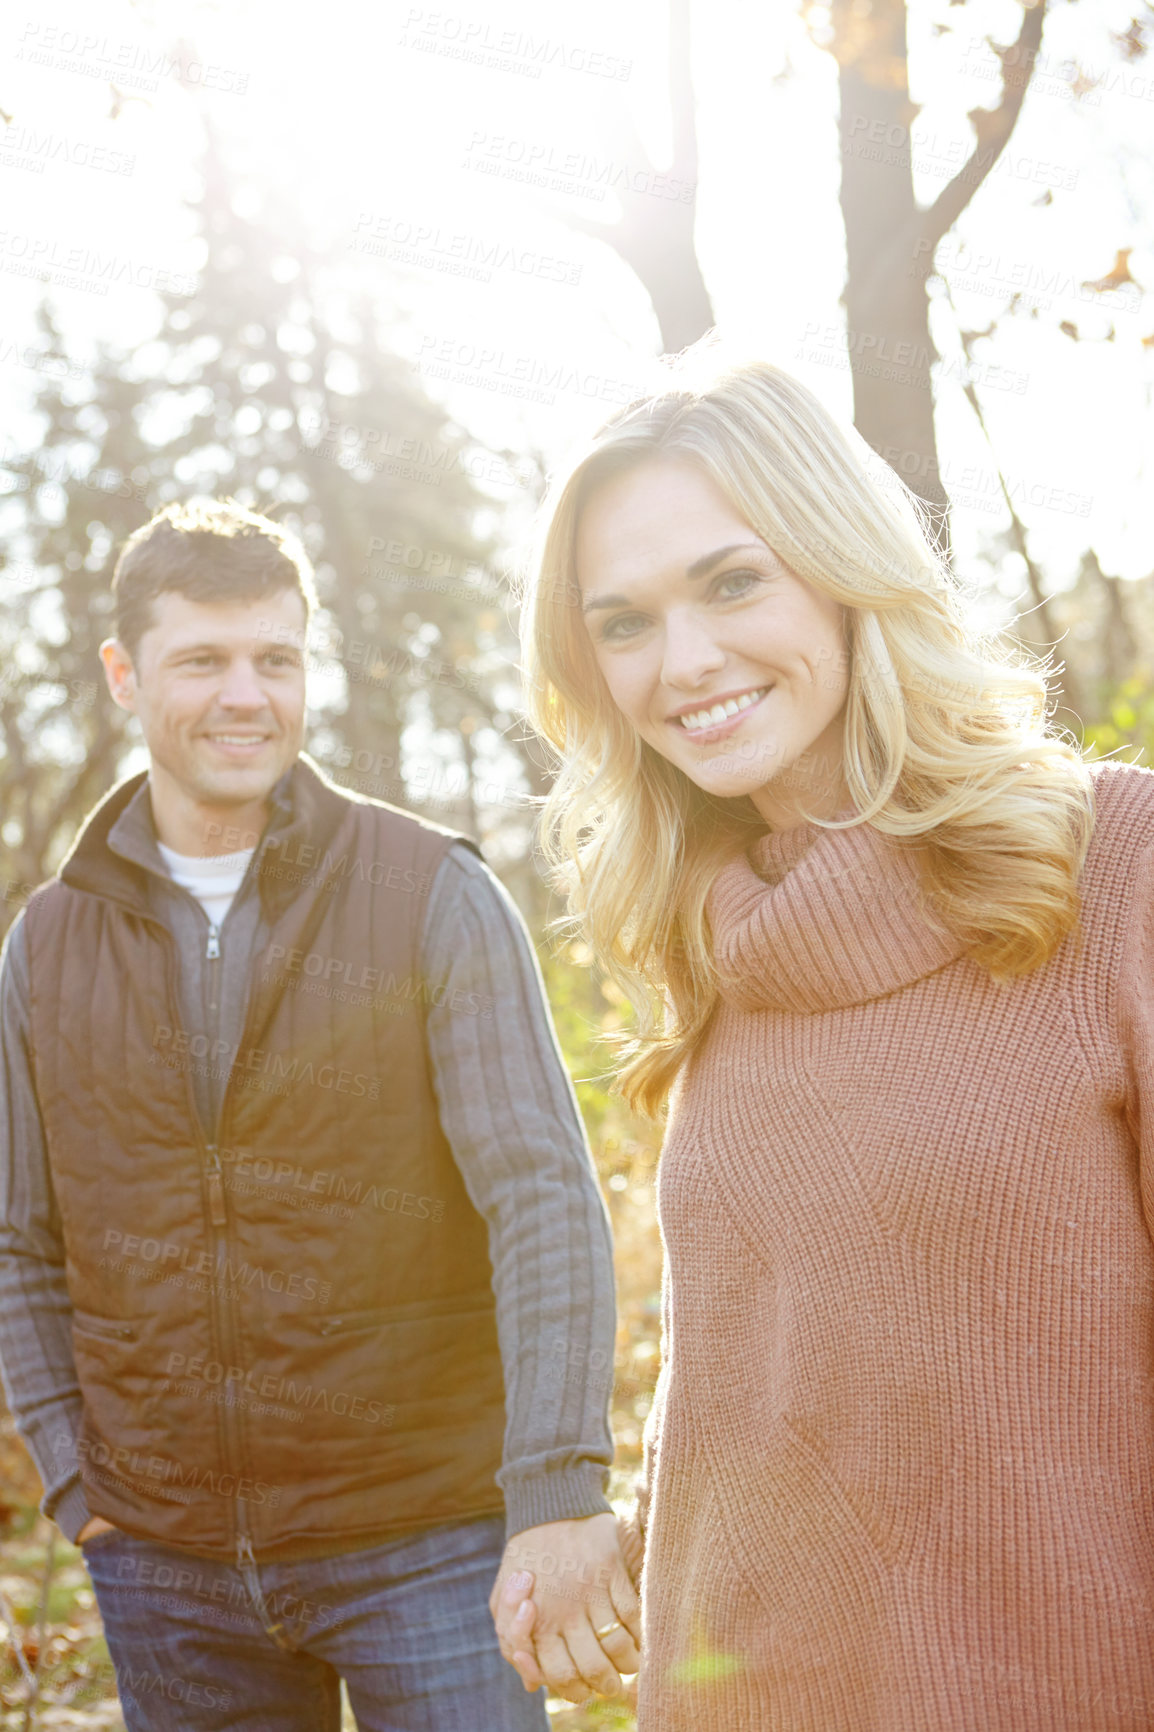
x,y
946,735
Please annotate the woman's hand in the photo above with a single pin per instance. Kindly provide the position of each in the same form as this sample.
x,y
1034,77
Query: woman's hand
x,y
567,1613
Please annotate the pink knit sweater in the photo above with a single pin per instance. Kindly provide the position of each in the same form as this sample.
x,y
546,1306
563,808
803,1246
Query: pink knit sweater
x,y
901,1462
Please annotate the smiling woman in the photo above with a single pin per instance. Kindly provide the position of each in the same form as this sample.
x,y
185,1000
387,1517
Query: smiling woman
x,y
891,945
733,544
729,666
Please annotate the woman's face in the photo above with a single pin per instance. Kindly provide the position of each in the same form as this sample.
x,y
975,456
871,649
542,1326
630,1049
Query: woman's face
x,y
724,661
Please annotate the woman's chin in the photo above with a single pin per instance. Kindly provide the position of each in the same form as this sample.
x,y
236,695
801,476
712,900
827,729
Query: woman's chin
x,y
726,780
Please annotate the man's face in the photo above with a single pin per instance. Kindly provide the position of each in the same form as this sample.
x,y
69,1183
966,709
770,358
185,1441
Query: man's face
x,y
219,691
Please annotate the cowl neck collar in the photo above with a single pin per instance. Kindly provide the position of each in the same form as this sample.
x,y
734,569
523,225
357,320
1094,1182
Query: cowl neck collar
x,y
811,919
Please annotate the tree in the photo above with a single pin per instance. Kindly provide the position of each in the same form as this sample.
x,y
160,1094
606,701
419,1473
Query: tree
x,y
273,381
891,239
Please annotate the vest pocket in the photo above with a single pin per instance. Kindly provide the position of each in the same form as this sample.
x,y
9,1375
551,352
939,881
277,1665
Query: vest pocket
x,y
347,1322
104,1327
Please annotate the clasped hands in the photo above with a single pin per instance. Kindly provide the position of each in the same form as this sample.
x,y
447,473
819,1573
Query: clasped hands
x,y
566,1610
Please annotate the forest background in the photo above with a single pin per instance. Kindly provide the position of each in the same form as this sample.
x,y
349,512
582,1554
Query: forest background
x,y
375,269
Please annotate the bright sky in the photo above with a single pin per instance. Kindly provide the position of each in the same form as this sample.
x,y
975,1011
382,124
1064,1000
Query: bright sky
x,y
422,138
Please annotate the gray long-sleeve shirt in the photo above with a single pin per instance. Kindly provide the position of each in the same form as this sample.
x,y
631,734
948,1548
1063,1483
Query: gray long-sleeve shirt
x,y
509,1113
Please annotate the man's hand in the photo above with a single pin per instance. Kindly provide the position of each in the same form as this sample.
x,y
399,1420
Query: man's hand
x,y
94,1525
579,1585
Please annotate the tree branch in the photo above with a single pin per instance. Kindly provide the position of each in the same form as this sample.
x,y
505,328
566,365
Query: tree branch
x,y
992,125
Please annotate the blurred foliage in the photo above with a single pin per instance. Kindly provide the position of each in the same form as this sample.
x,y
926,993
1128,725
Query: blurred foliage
x,y
276,381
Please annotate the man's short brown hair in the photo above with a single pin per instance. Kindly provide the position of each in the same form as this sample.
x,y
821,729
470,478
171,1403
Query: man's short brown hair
x,y
210,550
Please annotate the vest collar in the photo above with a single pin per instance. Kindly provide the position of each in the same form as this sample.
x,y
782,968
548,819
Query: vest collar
x,y
811,920
115,850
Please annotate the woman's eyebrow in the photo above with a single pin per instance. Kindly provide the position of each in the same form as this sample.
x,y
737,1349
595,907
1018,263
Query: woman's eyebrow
x,y
709,560
699,568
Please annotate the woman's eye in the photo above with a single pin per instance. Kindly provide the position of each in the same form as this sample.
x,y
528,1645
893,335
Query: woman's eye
x,y
623,626
735,583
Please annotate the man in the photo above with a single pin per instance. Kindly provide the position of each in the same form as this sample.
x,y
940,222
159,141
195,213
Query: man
x,y
302,1257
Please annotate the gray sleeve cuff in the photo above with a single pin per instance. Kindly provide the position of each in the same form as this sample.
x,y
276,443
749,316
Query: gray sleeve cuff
x,y
567,1494
70,1511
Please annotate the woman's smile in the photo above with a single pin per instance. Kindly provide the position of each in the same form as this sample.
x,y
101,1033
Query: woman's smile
x,y
717,718
705,638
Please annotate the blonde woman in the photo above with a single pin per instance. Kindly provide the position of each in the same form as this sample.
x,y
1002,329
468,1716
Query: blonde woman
x,y
891,948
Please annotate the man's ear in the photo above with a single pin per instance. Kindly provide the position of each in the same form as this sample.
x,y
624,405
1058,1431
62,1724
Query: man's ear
x,y
119,672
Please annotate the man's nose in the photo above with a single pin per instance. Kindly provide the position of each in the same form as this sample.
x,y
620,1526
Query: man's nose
x,y
242,688
690,653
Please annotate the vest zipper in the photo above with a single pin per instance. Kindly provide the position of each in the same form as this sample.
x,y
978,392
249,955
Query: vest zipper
x,y
217,1212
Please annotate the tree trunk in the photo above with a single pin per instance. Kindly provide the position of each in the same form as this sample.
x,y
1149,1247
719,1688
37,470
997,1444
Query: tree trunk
x,y
891,240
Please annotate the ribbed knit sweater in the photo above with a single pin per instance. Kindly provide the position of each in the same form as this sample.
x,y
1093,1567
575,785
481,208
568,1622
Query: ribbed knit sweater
x,y
901,1462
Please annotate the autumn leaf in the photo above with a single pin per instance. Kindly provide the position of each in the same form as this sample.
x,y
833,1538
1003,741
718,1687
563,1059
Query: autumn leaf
x,y
1116,277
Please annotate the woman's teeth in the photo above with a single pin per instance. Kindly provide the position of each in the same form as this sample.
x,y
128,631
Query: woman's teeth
x,y
698,719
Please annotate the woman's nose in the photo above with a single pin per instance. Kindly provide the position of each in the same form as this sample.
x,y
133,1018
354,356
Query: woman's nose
x,y
691,653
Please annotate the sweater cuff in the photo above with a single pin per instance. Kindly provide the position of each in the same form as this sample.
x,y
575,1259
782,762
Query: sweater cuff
x,y
71,1511
566,1494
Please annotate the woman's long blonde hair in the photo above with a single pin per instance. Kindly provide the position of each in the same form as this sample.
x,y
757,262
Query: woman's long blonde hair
x,y
946,734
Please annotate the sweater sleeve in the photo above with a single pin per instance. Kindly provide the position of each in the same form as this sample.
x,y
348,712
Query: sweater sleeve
x,y
1136,1007
35,1309
508,1109
635,1524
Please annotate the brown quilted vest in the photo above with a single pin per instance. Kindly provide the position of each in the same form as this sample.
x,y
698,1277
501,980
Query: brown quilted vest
x,y
286,1341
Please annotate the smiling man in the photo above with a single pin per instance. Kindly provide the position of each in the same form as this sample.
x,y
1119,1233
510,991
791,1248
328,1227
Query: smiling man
x,y
302,1256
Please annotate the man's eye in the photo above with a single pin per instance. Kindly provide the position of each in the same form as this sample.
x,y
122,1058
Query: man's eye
x,y
282,661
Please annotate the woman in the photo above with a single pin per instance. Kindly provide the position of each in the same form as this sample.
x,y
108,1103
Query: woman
x,y
890,943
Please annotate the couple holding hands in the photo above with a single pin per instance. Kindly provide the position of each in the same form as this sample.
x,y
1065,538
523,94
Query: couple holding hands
x,y
294,1279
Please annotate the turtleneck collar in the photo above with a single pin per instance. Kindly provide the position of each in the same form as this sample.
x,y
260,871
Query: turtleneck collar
x,y
811,919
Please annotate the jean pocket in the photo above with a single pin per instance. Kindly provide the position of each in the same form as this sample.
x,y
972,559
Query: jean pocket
x,y
100,1542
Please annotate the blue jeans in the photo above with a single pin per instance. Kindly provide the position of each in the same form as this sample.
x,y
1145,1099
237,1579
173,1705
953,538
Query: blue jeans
x,y
201,1646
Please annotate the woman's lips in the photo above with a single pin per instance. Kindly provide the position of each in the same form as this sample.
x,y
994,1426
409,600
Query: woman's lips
x,y
721,730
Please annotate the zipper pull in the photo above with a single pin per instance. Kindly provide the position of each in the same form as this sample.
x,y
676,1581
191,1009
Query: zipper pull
x,y
212,948
216,1209
244,1556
